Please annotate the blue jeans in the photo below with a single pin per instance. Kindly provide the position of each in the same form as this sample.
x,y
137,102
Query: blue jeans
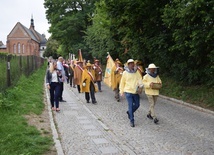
x,y
55,93
133,104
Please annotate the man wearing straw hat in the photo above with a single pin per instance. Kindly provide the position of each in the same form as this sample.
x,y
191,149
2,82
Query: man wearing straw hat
x,y
152,84
78,74
130,82
116,75
88,85
98,73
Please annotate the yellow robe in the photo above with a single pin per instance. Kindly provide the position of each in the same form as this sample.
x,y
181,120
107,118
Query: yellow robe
x,y
116,74
87,78
98,72
77,75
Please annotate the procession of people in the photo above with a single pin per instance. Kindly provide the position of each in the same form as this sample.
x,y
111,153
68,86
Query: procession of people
x,y
126,80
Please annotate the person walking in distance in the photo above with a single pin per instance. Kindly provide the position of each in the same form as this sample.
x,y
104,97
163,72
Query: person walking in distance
x,y
131,80
78,74
116,74
53,76
71,73
60,67
98,73
152,84
88,86
66,67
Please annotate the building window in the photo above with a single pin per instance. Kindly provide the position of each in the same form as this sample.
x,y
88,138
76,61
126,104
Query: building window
x,y
19,48
23,48
14,48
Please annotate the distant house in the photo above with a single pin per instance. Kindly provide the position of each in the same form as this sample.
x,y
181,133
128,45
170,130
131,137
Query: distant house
x,y
3,47
24,41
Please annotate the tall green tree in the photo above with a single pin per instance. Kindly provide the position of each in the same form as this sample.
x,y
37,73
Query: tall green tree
x,y
129,28
192,31
69,20
51,48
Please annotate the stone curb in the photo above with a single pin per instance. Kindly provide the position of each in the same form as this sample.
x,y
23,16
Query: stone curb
x,y
187,104
56,137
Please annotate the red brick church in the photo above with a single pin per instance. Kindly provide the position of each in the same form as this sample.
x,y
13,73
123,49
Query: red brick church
x,y
24,41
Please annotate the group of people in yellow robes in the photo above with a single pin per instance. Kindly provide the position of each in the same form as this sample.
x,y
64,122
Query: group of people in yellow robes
x,y
88,77
129,79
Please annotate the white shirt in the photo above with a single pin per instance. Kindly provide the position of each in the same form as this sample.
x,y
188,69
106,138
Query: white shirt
x,y
54,77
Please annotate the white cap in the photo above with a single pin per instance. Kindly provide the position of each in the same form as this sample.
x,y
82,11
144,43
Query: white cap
x,y
130,60
152,66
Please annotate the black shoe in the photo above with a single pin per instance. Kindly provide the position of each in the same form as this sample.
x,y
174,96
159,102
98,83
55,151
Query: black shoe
x,y
118,100
94,102
128,114
149,116
156,120
132,124
88,101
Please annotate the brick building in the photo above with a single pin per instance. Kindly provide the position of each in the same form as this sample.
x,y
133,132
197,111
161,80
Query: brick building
x,y
3,47
24,41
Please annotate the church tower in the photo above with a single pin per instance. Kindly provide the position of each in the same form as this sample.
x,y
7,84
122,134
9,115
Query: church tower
x,y
32,23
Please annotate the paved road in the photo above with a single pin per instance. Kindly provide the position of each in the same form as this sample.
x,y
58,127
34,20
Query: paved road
x,y
88,129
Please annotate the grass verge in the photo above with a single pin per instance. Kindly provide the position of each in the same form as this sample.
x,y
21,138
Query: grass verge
x,y
17,136
198,95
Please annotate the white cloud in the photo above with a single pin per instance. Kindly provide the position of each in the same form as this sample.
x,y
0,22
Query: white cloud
x,y
13,11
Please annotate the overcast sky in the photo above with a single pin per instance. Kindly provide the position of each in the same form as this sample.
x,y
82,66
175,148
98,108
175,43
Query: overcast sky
x,y
13,11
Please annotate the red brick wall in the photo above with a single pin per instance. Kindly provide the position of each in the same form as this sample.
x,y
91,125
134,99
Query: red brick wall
x,y
19,36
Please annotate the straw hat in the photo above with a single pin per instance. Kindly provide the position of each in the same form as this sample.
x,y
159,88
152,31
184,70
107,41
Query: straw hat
x,y
88,64
152,66
138,62
118,61
129,61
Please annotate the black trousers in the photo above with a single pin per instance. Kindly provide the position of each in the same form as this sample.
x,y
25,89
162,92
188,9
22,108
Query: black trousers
x,y
78,88
61,90
92,93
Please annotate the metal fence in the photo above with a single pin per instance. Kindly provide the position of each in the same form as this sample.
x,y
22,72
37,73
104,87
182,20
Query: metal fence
x,y
12,67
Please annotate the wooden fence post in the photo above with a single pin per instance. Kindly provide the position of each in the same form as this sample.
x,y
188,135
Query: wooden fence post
x,y
28,66
8,71
20,64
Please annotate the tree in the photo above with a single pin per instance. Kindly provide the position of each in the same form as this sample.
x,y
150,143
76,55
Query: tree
x,y
51,50
69,20
191,26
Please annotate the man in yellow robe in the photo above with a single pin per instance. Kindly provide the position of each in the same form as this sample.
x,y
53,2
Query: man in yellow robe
x,y
78,74
98,73
71,73
87,83
116,75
